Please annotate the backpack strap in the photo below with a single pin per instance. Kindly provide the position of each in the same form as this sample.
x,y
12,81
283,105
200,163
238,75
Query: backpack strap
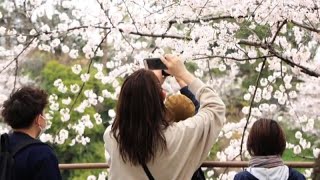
x,y
7,162
4,143
7,155
198,175
24,144
146,170
290,171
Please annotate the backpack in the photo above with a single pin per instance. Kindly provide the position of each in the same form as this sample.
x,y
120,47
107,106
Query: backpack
x,y
7,157
198,175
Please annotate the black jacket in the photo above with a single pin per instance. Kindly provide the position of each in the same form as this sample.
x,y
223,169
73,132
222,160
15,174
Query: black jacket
x,y
245,175
36,161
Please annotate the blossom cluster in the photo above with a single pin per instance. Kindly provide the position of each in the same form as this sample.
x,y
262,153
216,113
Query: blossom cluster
x,y
272,45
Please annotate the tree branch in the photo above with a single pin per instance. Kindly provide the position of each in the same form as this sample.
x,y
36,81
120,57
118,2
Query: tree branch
x,y
305,26
15,74
226,169
16,58
163,8
121,31
252,43
277,32
133,22
209,69
274,53
88,71
293,64
251,104
199,13
132,33
206,19
233,58
161,36
137,32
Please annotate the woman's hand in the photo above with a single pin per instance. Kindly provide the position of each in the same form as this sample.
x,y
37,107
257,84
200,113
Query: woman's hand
x,y
177,68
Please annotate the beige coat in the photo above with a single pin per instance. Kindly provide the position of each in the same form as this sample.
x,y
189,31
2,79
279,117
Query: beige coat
x,y
188,142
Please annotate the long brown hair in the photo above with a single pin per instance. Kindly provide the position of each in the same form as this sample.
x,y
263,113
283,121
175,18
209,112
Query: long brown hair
x,y
141,118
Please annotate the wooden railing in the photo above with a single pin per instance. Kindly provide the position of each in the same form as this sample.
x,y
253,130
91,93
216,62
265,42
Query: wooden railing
x,y
211,164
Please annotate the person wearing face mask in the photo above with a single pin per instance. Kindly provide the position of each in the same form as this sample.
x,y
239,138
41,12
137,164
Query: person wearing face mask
x,y
23,112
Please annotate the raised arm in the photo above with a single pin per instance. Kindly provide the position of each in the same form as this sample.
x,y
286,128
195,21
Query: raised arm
x,y
185,91
196,135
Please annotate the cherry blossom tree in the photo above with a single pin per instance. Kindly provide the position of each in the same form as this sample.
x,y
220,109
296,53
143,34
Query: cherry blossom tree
x,y
265,52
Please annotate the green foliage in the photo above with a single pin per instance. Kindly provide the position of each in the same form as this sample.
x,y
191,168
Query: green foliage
x,y
31,67
93,151
316,170
290,137
262,31
243,32
191,66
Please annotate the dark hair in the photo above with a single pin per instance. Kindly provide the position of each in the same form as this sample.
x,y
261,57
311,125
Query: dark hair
x,y
141,118
23,106
266,138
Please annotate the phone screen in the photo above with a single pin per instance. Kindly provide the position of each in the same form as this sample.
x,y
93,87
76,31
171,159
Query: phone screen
x,y
154,63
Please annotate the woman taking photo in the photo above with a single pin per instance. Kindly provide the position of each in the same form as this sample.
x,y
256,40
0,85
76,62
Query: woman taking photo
x,y
143,145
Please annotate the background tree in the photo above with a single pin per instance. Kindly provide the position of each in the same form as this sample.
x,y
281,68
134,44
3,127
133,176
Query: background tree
x,y
262,56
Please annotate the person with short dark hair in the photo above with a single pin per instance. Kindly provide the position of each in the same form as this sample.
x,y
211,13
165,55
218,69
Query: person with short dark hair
x,y
23,112
266,144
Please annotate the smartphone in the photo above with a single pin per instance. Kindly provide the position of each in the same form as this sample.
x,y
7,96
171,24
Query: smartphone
x,y
154,63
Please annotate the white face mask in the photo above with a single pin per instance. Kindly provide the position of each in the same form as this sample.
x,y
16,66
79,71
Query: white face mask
x,y
42,129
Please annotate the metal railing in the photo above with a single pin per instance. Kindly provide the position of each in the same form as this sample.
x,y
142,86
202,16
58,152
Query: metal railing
x,y
211,164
